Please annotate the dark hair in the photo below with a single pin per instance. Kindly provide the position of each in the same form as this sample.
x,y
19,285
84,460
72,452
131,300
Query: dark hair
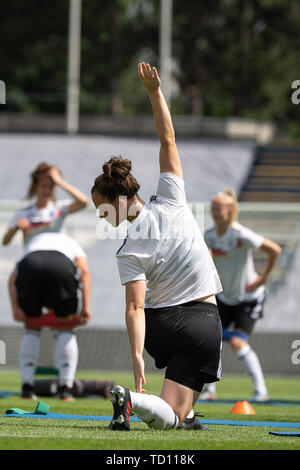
x,y
40,170
116,180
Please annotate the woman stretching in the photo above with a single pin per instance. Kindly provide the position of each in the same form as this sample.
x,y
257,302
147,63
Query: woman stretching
x,y
170,282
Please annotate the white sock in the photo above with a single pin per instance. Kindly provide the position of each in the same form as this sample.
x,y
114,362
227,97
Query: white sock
x,y
253,367
154,411
190,415
210,388
29,355
66,356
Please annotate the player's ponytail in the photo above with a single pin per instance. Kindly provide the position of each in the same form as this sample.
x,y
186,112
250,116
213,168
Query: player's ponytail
x,y
234,202
116,180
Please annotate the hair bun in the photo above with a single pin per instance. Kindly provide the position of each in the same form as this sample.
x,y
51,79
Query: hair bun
x,y
117,167
231,193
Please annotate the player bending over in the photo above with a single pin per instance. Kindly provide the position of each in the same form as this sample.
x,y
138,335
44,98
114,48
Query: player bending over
x,y
52,273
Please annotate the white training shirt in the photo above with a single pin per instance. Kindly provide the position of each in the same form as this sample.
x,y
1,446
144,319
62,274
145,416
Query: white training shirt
x,y
166,248
47,219
232,254
54,242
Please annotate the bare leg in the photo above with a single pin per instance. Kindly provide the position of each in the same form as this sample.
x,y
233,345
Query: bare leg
x,y
179,397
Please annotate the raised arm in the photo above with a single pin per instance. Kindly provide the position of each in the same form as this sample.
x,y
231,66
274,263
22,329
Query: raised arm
x,y
168,156
80,199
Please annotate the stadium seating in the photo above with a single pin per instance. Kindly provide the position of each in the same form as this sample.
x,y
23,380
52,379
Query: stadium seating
x,y
275,176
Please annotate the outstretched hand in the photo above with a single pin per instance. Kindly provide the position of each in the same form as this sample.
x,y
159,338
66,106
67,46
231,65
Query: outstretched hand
x,y
149,77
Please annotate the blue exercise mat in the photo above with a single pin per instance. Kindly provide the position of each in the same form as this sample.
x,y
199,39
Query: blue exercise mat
x,y
133,419
291,434
6,394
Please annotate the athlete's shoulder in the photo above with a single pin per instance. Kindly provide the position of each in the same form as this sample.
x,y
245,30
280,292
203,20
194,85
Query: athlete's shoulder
x,y
236,226
30,207
210,231
210,236
23,211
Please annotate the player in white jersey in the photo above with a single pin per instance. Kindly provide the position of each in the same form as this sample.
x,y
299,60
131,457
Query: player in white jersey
x,y
46,214
241,302
52,273
170,282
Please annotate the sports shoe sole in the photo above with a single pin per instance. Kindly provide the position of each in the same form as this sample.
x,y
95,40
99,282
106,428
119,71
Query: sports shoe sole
x,y
259,399
119,422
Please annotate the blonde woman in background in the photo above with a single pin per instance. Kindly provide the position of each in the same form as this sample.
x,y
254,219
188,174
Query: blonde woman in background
x,y
241,302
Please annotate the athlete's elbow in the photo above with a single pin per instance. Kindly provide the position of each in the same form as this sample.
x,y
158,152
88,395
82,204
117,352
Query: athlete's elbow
x,y
168,141
83,203
5,240
134,309
276,251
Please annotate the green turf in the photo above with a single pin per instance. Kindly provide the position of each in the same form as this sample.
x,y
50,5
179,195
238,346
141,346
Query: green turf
x,y
27,434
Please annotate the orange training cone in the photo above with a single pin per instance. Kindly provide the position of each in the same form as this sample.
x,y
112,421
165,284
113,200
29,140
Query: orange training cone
x,y
243,408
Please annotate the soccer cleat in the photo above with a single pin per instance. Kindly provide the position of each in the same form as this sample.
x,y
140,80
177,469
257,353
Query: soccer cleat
x,y
259,397
65,393
207,396
193,424
28,392
120,398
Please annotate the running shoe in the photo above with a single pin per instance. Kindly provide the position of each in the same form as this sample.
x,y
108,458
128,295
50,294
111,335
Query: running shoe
x,y
207,396
259,397
65,393
28,392
190,424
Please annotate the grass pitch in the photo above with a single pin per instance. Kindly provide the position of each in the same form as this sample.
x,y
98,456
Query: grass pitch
x,y
39,434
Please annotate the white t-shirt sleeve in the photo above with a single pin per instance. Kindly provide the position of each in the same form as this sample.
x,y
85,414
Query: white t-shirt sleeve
x,y
79,252
250,238
63,205
130,269
19,214
171,187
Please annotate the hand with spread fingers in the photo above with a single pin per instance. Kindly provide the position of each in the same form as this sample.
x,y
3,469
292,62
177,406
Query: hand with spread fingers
x,y
149,77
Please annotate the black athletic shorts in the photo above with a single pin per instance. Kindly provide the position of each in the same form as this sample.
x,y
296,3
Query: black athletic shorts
x,y
241,316
47,279
186,339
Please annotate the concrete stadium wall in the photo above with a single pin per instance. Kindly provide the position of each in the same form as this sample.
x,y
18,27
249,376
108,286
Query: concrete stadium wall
x,y
229,127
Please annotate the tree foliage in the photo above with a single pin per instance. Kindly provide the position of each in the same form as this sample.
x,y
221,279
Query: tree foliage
x,y
230,57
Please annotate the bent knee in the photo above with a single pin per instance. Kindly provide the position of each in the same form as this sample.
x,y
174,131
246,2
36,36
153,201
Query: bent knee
x,y
237,343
